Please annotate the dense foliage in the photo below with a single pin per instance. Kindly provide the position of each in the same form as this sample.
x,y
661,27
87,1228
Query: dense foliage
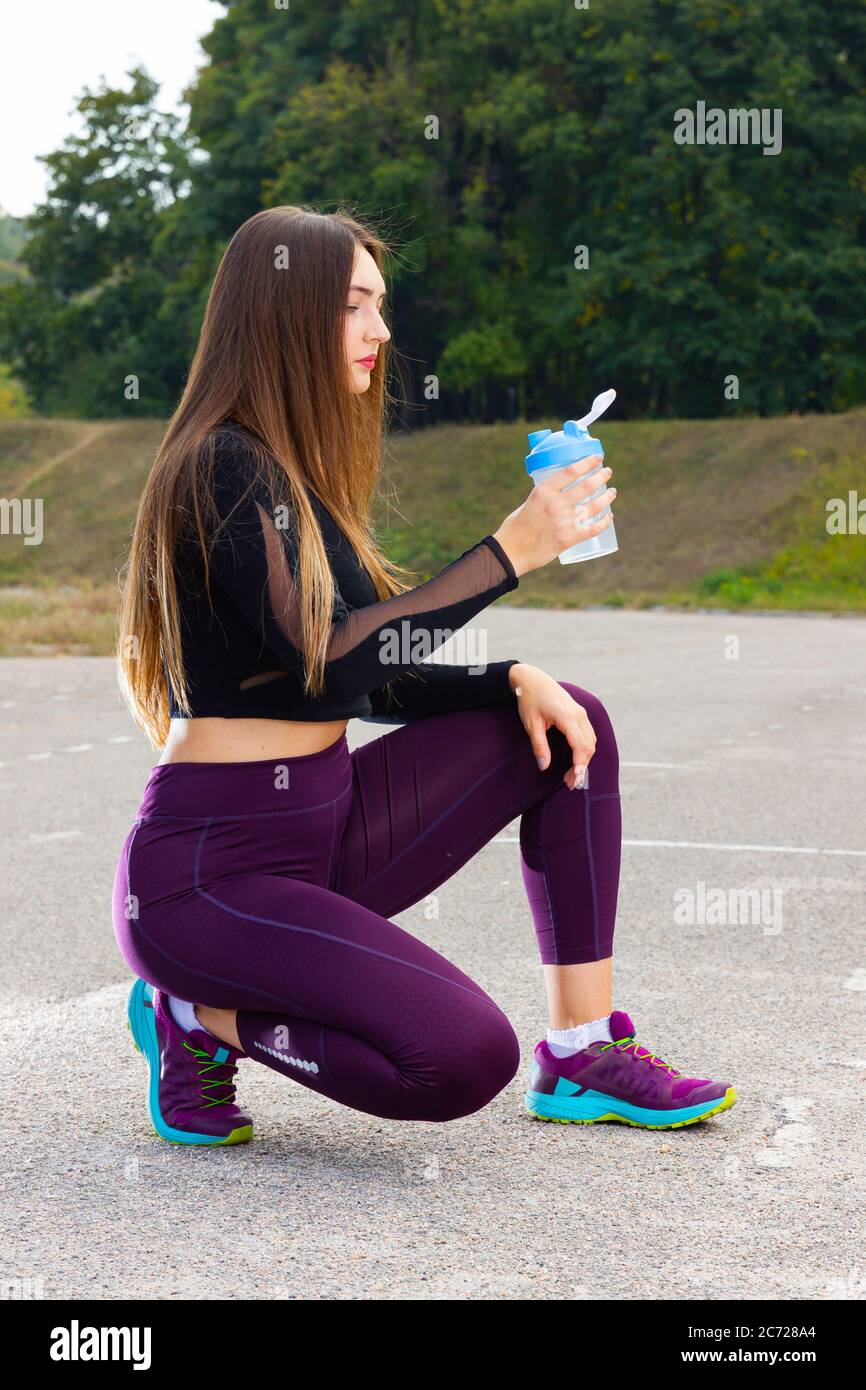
x,y
554,130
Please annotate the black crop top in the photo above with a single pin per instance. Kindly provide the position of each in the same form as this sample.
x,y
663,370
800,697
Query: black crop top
x,y
244,660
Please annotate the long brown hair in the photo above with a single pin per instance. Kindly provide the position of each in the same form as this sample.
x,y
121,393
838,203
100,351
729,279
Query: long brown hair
x,y
271,356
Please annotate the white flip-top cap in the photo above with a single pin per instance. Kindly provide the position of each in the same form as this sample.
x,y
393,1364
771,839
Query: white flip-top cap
x,y
599,406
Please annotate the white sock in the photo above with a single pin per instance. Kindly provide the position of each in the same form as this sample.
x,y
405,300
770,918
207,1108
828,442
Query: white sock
x,y
564,1041
184,1015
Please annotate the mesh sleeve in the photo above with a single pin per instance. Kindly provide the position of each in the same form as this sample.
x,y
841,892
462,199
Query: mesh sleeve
x,y
254,559
434,687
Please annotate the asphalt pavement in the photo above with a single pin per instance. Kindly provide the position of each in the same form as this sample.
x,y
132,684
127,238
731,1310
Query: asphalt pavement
x,y
739,954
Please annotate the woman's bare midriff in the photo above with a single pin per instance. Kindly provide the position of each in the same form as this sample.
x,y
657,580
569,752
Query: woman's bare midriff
x,y
246,740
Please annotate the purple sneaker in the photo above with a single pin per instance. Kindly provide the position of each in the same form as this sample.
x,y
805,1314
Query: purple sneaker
x,y
191,1093
619,1080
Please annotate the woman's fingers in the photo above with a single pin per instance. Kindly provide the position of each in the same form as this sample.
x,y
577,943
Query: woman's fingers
x,y
575,725
571,474
584,513
581,738
540,746
586,485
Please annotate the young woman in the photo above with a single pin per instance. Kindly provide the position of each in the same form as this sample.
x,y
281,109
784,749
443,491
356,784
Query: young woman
x,y
254,890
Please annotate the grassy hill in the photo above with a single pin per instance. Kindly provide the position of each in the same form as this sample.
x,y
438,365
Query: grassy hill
x,y
724,513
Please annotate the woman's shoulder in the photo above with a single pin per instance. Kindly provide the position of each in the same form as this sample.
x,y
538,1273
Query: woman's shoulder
x,y
244,466
241,462
232,443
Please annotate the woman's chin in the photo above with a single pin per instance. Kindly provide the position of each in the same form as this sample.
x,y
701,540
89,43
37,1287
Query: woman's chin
x,y
360,379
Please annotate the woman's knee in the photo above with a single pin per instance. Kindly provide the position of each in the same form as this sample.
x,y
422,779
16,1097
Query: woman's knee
x,y
479,1064
599,718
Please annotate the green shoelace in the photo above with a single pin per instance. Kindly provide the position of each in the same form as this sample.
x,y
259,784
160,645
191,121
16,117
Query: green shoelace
x,y
206,1063
625,1043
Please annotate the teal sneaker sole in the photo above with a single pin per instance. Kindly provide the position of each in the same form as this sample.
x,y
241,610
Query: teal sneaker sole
x,y
593,1106
141,1024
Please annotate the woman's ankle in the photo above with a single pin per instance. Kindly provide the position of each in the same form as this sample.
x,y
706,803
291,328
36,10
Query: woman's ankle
x,y
222,1023
565,1041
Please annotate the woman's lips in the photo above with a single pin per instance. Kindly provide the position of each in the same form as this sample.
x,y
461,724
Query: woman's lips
x,y
368,362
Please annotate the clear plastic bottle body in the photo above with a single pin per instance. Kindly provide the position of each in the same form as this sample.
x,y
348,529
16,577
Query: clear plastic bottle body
x,y
605,543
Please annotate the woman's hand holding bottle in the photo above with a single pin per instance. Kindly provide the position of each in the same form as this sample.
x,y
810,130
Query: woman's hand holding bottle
x,y
550,520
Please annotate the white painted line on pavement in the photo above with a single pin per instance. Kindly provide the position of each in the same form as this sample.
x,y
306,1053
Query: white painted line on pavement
x,y
699,844
56,835
73,748
759,849
679,765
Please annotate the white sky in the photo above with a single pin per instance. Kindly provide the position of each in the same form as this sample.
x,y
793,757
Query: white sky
x,y
51,49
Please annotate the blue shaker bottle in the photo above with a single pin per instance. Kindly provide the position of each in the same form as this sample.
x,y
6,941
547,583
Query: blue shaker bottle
x,y
551,452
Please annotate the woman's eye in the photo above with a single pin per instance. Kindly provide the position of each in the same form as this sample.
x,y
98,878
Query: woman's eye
x,y
350,308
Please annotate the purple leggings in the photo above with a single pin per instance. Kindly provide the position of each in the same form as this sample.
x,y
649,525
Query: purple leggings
x,y
267,887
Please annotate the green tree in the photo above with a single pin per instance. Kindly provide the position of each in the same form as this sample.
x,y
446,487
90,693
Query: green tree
x,y
555,131
492,140
14,404
89,315
12,238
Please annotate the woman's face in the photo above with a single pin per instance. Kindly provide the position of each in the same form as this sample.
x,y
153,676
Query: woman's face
x,y
365,327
